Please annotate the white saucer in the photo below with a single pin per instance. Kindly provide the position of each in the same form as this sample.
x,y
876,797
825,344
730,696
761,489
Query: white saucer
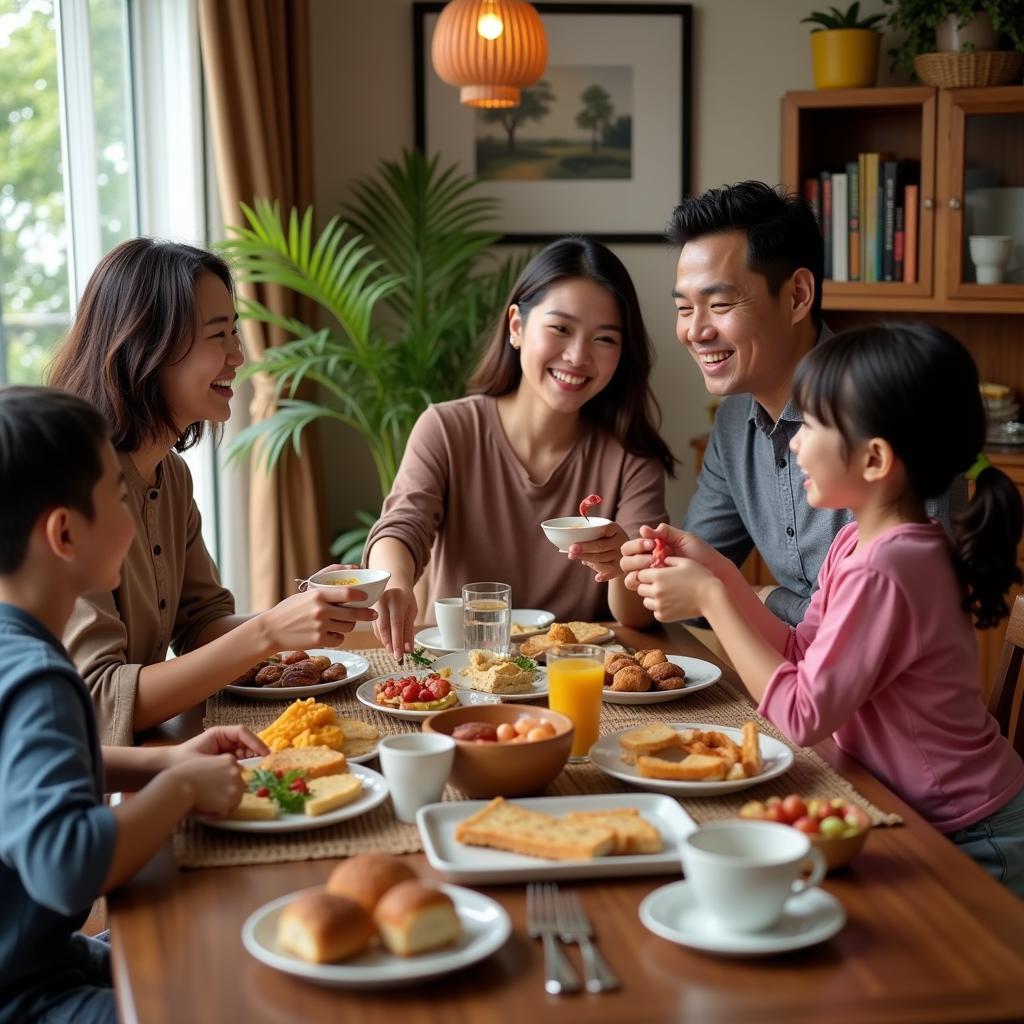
x,y
809,918
430,638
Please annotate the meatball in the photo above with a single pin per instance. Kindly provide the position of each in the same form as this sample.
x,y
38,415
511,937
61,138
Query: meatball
x,y
291,657
269,674
321,661
334,672
301,673
248,677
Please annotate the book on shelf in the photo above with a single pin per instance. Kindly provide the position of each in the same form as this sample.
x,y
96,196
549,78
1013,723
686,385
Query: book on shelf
x,y
896,175
812,193
840,228
910,227
853,214
826,218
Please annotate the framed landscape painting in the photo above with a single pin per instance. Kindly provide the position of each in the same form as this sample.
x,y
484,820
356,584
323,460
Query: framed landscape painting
x,y
600,145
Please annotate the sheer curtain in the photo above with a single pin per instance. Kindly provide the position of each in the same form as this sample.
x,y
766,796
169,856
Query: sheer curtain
x,y
256,69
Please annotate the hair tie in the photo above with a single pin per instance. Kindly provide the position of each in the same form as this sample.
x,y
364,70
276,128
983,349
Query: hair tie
x,y
981,463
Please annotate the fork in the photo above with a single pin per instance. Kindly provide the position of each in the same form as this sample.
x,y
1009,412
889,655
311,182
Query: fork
x,y
574,926
541,922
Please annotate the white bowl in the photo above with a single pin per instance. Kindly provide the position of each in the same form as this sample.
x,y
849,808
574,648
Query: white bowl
x,y
371,581
573,530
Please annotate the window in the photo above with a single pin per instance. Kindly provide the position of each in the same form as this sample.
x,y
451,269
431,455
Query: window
x,y
67,168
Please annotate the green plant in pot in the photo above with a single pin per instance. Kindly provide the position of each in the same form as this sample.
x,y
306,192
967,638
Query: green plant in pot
x,y
844,48
955,26
405,289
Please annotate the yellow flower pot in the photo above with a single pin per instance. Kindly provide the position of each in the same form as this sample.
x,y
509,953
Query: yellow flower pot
x,y
845,58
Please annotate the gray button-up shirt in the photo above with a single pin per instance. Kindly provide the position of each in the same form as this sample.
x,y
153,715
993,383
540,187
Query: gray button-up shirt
x,y
750,494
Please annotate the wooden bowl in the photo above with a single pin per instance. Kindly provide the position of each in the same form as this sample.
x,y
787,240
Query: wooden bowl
x,y
840,850
504,769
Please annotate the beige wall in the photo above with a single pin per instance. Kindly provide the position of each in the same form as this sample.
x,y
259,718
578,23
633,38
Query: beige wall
x,y
746,54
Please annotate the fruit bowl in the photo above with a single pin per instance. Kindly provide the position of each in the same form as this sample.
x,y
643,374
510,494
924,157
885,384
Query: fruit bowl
x,y
835,826
487,769
840,850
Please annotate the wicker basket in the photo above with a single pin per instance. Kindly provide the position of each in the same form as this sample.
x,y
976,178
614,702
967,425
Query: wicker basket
x,y
969,70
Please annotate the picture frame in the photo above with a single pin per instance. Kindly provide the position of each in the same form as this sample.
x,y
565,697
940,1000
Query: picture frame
x,y
602,148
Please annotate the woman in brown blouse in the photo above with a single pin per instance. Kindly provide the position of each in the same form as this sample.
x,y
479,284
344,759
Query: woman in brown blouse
x,y
560,407
155,346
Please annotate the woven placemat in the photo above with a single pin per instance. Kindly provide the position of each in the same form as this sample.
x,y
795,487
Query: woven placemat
x,y
197,845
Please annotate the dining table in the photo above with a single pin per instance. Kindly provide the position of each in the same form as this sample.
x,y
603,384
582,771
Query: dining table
x,y
929,938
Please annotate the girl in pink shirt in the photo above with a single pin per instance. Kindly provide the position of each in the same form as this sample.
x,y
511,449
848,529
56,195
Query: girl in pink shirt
x,y
885,660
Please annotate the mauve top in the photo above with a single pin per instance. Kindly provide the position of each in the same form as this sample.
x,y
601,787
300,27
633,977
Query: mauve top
x,y
463,501
886,661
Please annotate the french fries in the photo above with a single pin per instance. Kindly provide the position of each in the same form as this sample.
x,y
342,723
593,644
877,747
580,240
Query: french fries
x,y
707,755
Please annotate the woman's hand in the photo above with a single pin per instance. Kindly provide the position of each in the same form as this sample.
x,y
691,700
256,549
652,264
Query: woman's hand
x,y
214,784
315,618
602,555
221,739
395,620
675,591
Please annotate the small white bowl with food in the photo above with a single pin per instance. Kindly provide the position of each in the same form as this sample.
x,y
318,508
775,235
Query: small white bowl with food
x,y
567,530
371,581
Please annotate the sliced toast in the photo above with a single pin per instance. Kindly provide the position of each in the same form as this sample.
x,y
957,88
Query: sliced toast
x,y
332,791
652,739
633,833
504,826
314,761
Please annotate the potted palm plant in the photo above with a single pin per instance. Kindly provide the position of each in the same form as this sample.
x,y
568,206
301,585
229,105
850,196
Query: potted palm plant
x,y
844,47
405,285
956,43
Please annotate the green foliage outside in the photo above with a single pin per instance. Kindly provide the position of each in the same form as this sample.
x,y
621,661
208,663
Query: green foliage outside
x,y
33,229
408,288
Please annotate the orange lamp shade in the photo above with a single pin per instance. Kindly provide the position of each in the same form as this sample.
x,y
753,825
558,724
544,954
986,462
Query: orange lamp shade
x,y
489,49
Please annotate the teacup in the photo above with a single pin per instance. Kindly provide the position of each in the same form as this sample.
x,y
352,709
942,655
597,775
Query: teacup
x,y
416,766
567,530
371,581
449,615
742,872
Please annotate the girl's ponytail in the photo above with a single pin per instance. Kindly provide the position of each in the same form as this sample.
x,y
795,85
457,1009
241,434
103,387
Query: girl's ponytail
x,y
985,536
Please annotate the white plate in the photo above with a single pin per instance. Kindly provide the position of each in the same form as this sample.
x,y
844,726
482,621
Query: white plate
x,y
485,929
809,918
459,660
699,676
475,864
367,692
776,758
375,792
535,618
356,665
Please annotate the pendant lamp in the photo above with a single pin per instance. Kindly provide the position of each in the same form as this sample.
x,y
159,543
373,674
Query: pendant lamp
x,y
489,49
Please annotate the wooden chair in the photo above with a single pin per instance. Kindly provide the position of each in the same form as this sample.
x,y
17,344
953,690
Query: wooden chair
x,y
1005,700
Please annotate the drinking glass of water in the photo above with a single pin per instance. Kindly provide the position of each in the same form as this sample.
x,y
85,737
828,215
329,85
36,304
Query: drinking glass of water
x,y
487,617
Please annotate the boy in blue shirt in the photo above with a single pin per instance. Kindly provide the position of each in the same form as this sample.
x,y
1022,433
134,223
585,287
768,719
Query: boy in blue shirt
x,y
64,530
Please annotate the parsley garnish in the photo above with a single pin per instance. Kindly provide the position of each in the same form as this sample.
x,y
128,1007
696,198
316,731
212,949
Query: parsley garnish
x,y
419,658
278,789
525,663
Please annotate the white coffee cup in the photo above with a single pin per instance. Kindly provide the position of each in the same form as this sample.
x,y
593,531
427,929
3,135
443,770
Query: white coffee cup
x,y
416,765
991,256
448,614
742,872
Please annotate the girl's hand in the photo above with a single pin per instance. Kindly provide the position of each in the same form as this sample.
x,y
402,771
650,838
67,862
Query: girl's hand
x,y
396,619
214,783
601,555
315,618
221,739
637,554
676,591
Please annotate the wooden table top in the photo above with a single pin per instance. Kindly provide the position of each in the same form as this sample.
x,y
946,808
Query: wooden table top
x,y
929,938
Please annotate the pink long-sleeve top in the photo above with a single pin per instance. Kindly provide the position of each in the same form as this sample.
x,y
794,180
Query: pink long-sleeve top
x,y
886,661
463,501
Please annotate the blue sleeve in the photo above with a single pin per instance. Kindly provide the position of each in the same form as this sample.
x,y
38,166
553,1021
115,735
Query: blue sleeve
x,y
55,830
712,514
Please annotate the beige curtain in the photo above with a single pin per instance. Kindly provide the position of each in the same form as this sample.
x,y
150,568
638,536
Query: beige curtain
x,y
256,68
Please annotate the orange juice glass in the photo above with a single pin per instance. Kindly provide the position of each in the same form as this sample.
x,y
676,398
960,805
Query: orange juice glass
x,y
575,687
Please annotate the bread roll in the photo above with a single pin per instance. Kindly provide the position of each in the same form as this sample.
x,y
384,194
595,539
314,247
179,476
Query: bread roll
x,y
323,928
667,676
367,876
631,679
650,657
415,918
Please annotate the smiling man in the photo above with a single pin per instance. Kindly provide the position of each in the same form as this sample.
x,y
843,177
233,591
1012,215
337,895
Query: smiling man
x,y
748,300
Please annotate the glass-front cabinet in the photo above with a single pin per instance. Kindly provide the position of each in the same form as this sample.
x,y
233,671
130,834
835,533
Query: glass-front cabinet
x,y
920,193
981,194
